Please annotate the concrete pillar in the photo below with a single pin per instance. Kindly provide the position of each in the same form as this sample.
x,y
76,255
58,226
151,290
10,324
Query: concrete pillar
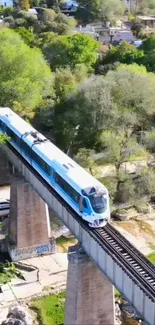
x,y
28,233
5,177
90,295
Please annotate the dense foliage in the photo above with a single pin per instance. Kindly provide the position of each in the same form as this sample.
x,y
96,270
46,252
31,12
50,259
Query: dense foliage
x,y
65,51
84,99
100,9
25,78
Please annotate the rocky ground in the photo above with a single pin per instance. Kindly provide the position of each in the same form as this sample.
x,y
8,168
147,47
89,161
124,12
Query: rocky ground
x,y
139,230
17,315
22,314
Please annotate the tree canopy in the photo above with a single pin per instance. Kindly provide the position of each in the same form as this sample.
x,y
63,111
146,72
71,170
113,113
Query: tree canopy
x,y
101,9
25,78
118,100
124,53
65,51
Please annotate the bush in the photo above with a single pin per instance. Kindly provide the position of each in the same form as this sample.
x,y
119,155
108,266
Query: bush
x,y
149,44
26,35
48,15
145,183
10,21
126,192
121,211
124,53
142,207
21,22
8,11
111,183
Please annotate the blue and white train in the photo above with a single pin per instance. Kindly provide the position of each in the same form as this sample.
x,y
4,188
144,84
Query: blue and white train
x,y
87,196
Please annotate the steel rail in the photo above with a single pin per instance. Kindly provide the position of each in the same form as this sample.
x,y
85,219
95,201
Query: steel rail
x,y
124,242
128,258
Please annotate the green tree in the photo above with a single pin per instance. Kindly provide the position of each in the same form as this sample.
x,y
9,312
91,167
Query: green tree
x,y
118,100
44,38
2,138
25,19
149,61
56,22
143,6
48,15
27,35
133,100
8,11
120,146
66,81
149,44
65,51
9,21
101,9
149,140
88,107
84,158
24,4
124,53
25,78
56,119
145,183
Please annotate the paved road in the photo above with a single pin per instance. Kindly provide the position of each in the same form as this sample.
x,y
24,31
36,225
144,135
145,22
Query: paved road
x,y
52,272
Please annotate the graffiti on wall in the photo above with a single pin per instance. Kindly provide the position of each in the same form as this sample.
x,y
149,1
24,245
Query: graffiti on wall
x,y
33,251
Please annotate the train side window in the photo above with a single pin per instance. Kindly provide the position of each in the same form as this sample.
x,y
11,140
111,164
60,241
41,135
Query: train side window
x,y
47,169
67,188
12,135
2,125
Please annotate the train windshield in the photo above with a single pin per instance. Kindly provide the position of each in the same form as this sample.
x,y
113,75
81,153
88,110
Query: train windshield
x,y
98,202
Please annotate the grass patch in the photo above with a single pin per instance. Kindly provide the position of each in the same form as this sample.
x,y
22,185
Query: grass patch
x,y
152,246
151,258
145,226
7,272
103,161
107,160
117,293
142,207
63,243
50,309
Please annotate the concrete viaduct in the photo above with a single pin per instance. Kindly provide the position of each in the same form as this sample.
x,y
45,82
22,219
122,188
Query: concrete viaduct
x,y
91,275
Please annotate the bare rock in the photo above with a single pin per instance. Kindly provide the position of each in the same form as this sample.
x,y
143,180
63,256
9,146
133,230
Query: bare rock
x,y
118,315
120,214
13,321
20,313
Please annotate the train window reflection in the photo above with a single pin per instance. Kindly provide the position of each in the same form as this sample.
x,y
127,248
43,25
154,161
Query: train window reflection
x,y
98,202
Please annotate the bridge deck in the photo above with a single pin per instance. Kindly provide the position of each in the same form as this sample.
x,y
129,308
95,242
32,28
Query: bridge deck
x,y
131,286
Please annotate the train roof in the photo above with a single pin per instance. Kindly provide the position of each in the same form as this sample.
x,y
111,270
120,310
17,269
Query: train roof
x,y
15,120
50,152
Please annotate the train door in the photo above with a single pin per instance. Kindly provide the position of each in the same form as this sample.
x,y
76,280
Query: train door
x,y
83,206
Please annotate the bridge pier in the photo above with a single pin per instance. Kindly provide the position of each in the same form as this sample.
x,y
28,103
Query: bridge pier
x,y
4,169
29,228
90,295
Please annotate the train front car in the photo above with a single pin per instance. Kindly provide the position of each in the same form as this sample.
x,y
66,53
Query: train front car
x,y
96,200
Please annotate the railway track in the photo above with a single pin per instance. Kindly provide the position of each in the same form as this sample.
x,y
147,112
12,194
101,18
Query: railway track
x,y
135,262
